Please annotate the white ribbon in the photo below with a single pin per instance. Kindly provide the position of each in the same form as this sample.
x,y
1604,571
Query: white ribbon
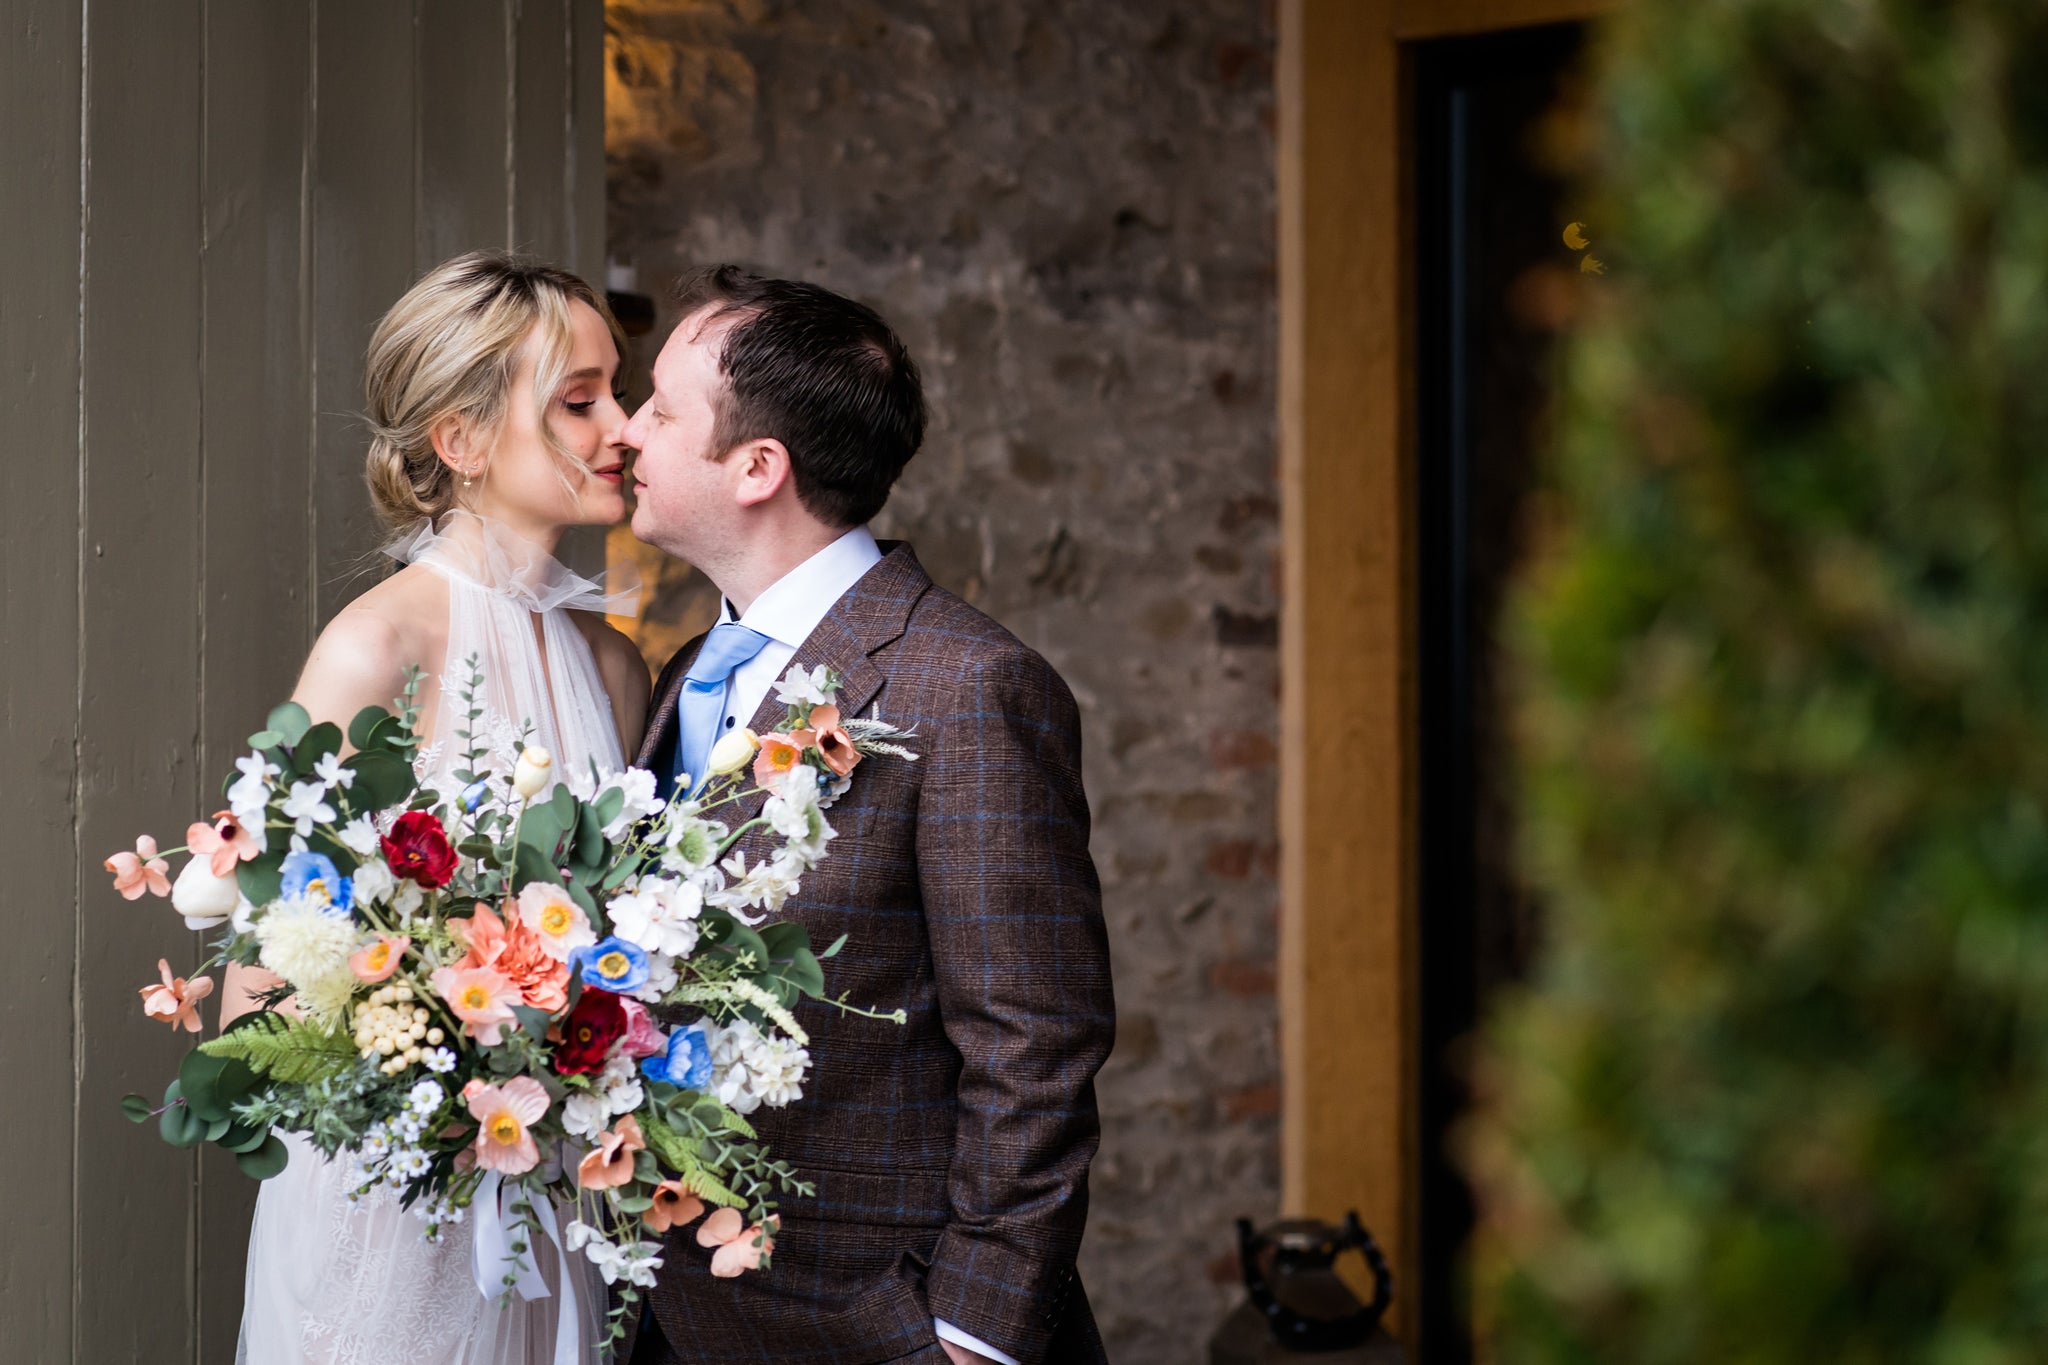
x,y
491,1258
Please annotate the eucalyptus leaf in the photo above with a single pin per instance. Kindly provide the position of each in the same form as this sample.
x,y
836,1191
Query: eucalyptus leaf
x,y
290,721
833,951
319,741
261,879
359,729
267,1160
136,1108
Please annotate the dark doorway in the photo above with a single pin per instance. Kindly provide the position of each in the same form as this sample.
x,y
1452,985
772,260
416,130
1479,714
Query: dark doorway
x,y
1490,213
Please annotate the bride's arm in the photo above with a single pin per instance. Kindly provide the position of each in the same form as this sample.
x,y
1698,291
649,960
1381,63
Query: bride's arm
x,y
358,661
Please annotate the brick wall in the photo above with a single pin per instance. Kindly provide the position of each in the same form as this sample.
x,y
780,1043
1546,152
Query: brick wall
x,y
1067,210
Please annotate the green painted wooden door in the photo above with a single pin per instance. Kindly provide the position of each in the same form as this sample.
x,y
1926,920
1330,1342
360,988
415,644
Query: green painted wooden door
x,y
204,207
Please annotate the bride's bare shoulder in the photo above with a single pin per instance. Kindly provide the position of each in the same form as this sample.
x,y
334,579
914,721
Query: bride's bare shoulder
x,y
362,656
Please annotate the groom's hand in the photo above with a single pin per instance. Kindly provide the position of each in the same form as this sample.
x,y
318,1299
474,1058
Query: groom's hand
x,y
960,1355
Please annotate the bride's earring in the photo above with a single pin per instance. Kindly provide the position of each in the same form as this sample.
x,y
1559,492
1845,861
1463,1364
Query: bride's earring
x,y
467,481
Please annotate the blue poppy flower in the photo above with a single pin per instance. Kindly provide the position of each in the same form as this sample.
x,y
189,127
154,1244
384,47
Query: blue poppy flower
x,y
473,795
687,1063
315,875
612,964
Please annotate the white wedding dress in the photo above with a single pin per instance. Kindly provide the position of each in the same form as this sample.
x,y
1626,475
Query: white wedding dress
x,y
338,1282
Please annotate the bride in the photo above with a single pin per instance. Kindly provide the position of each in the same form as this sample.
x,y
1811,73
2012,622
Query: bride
x,y
495,427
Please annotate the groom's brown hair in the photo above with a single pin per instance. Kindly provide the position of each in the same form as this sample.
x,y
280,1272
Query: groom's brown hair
x,y
820,373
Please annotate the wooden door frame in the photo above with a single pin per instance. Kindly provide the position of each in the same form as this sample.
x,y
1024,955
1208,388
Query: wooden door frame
x,y
1349,1135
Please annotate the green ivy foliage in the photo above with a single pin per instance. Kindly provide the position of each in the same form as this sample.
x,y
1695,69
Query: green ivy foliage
x,y
1780,1090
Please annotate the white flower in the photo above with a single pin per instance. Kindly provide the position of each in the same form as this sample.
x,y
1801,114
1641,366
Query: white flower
x,y
798,688
408,1127
375,1145
661,979
734,750
693,844
330,771
637,786
580,1234
438,1060
202,898
779,1067
308,947
359,836
326,998
659,915
425,1097
765,885
619,1085
373,880
533,771
410,1163
797,818
407,899
643,1259
584,1115
308,806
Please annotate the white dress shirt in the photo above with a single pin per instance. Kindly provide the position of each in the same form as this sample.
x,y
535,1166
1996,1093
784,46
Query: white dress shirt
x,y
787,614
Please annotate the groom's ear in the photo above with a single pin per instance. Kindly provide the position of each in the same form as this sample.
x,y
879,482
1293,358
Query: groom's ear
x,y
762,470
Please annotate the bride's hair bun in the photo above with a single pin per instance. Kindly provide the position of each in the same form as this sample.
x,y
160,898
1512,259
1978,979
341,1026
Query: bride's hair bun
x,y
451,348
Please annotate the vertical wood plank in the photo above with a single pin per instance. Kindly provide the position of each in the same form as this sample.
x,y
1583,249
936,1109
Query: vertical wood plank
x,y
1347,995
464,87
141,612
582,185
363,252
41,53
255,519
585,250
541,109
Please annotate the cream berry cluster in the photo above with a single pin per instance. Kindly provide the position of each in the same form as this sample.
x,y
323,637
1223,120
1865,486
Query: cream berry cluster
x,y
390,1025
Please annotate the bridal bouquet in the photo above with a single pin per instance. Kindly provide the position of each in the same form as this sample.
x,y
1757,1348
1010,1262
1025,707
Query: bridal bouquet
x,y
475,981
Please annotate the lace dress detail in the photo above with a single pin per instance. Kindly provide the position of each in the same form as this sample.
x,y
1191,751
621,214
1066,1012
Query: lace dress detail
x,y
340,1281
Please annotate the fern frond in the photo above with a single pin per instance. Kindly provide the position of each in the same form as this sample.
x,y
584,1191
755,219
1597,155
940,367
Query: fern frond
x,y
285,1049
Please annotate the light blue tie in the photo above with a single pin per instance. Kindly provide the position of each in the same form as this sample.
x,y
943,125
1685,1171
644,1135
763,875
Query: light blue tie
x,y
701,706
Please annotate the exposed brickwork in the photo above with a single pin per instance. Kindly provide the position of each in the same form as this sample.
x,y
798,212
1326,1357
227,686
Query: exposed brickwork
x,y
1067,209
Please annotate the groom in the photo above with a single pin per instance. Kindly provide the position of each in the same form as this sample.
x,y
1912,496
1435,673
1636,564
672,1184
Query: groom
x,y
950,1153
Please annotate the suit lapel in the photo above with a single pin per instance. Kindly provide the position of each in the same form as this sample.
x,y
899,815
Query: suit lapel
x,y
871,614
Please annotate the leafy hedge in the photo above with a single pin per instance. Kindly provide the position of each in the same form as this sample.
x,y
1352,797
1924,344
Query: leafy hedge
x,y
1780,1092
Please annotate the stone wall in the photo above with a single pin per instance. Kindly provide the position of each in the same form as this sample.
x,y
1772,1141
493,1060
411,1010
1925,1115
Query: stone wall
x,y
1067,210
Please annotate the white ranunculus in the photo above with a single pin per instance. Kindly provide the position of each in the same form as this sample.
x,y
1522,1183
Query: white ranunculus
x,y
202,898
734,751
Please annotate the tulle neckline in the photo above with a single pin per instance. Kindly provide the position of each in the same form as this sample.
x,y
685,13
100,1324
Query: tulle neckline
x,y
491,555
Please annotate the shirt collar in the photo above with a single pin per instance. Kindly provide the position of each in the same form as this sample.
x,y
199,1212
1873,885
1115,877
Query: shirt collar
x,y
791,609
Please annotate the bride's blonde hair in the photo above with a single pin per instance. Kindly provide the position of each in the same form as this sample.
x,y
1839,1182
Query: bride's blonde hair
x,y
451,348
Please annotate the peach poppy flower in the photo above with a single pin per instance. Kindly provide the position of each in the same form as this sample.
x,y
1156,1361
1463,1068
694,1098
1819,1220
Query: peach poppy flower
x,y
611,1163
481,997
224,842
140,871
779,755
674,1205
380,959
740,1247
831,741
175,1001
556,921
518,953
505,1115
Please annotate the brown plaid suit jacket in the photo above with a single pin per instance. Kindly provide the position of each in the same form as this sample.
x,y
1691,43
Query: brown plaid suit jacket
x,y
950,1153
